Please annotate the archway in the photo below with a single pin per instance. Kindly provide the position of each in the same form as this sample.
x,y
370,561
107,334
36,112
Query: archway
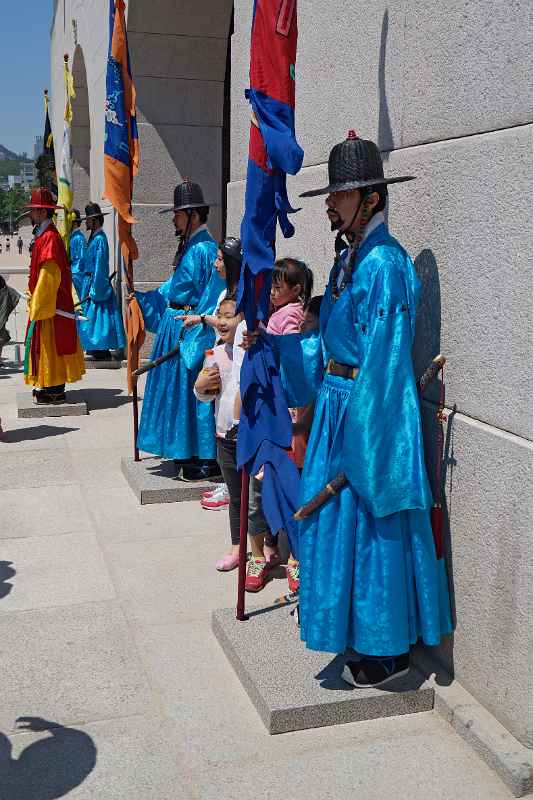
x,y
180,61
81,133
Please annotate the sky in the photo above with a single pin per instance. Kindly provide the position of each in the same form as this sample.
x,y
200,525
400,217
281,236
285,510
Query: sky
x,y
24,71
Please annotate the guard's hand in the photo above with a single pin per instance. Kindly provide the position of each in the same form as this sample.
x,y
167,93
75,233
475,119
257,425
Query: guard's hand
x,y
249,338
189,320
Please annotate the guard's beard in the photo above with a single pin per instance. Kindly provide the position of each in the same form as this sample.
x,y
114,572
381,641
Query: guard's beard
x,y
335,221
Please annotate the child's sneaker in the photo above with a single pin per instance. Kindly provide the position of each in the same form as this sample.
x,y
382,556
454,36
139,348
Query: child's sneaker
x,y
258,574
218,500
216,488
293,575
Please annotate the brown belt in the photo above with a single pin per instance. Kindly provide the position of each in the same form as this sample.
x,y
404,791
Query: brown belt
x,y
341,370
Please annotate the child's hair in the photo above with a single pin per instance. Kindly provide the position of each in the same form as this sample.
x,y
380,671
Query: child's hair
x,y
314,305
230,298
294,272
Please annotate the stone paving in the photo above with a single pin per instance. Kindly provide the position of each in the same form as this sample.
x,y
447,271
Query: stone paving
x,y
106,645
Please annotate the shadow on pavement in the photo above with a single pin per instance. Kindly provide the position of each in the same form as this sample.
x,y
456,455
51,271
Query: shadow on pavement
x,y
6,573
6,371
34,433
49,768
98,399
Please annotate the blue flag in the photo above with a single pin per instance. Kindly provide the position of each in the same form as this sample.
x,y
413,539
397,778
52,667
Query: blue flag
x,y
265,430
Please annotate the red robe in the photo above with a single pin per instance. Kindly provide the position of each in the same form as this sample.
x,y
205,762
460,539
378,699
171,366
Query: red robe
x,y
49,247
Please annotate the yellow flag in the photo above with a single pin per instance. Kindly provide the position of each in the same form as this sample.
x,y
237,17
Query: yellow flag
x,y
65,189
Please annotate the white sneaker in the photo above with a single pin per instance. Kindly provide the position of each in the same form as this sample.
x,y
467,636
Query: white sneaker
x,y
217,501
216,488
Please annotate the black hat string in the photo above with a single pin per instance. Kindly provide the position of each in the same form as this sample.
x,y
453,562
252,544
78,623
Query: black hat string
x,y
184,238
355,239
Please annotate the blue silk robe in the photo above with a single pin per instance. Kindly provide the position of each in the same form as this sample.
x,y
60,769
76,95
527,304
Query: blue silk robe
x,y
370,579
174,424
77,248
104,329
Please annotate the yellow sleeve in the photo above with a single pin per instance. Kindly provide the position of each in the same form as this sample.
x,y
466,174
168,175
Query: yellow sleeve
x,y
43,299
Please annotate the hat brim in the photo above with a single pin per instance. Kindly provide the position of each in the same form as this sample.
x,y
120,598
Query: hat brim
x,y
92,216
184,208
350,185
41,205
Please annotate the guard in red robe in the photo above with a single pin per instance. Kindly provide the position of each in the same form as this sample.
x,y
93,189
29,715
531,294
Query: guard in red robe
x,y
53,354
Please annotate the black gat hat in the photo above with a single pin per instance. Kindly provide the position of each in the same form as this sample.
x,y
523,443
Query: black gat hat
x,y
93,210
187,195
354,164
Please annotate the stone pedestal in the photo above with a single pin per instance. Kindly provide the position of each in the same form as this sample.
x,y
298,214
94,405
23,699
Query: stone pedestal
x,y
27,409
154,480
112,363
293,688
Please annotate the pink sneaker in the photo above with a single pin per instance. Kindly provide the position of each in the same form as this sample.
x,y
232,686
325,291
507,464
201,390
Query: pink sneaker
x,y
258,574
227,563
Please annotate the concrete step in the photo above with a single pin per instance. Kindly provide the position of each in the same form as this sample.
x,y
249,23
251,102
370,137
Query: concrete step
x,y
293,688
112,363
27,409
154,480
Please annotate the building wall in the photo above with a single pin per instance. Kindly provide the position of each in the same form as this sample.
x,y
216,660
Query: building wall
x,y
178,54
445,90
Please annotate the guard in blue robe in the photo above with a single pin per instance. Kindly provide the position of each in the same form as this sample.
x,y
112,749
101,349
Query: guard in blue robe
x,y
370,579
77,250
174,424
103,330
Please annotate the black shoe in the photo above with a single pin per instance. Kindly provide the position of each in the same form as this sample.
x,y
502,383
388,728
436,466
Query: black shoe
x,y
46,399
371,672
191,473
98,355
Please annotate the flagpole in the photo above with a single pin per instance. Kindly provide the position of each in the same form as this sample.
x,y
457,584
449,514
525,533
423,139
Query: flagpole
x,y
134,395
243,541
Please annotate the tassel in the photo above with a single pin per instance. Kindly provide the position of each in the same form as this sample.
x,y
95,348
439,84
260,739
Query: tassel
x,y
27,349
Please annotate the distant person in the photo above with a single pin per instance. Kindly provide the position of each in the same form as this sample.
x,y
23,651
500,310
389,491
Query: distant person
x,y
8,245
8,301
20,245
0,248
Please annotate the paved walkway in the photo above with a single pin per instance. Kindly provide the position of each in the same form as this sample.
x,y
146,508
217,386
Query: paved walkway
x,y
106,644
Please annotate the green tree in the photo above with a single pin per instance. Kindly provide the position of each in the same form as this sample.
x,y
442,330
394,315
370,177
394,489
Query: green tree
x,y
12,204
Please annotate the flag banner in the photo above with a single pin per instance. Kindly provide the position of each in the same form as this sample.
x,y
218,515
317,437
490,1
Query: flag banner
x,y
121,163
265,429
48,149
121,142
65,196
273,149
